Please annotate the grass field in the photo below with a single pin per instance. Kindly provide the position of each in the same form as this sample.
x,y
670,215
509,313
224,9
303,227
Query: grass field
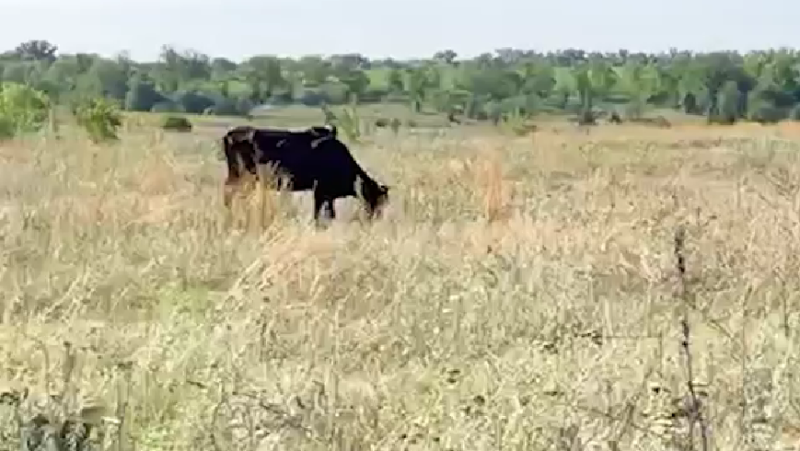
x,y
296,116
521,293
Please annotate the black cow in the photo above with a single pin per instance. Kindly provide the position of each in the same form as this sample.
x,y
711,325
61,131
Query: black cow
x,y
312,160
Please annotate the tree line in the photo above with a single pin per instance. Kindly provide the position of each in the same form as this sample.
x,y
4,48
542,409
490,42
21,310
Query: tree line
x,y
723,86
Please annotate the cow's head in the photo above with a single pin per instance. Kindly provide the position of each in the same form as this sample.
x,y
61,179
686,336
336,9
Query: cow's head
x,y
375,196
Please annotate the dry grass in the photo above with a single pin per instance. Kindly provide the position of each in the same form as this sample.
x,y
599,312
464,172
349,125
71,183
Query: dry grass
x,y
521,293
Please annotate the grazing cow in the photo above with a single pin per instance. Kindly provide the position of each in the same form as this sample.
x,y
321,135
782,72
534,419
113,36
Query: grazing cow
x,y
313,160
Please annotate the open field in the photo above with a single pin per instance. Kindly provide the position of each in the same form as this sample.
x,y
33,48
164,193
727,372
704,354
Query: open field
x,y
521,293
300,116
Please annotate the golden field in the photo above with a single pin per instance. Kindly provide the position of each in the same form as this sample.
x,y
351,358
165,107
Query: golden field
x,y
520,293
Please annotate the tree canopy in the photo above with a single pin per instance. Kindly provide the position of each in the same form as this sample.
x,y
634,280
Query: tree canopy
x,y
723,86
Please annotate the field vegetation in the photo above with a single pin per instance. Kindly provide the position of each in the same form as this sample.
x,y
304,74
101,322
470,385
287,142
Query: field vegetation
x,y
534,284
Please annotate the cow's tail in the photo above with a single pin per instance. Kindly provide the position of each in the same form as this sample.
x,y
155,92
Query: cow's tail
x,y
234,170
239,147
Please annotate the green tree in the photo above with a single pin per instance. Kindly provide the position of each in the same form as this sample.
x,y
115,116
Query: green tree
x,y
395,80
728,103
105,78
36,50
640,82
142,94
593,81
264,76
356,81
22,109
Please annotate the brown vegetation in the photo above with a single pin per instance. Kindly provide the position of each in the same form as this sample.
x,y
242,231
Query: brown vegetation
x,y
520,293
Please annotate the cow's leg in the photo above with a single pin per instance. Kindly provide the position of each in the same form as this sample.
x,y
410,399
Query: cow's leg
x,y
318,203
330,211
322,201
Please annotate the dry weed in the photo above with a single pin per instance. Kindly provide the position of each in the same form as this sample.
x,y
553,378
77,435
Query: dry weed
x,y
467,318
491,187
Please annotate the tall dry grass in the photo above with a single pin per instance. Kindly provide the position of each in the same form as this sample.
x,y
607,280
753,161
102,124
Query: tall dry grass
x,y
519,294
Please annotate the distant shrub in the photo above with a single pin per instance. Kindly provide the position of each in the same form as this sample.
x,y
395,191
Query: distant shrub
x,y
224,107
794,114
311,97
516,122
193,101
245,107
334,92
658,121
167,106
728,101
767,114
396,97
142,95
230,107
587,118
100,117
22,109
373,94
718,119
176,124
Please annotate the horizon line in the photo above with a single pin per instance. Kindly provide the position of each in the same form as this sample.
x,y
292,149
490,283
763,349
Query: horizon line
x,y
375,57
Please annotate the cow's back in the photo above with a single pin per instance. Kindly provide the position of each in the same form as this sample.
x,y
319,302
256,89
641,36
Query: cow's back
x,y
290,153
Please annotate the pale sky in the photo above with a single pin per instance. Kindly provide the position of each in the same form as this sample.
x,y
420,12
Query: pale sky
x,y
401,28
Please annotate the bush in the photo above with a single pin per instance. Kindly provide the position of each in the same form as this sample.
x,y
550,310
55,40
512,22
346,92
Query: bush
x,y
334,92
230,107
373,94
193,101
22,109
794,114
167,106
244,106
311,97
516,122
765,113
100,117
176,123
729,99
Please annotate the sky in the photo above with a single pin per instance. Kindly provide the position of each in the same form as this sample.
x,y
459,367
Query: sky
x,y
236,29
